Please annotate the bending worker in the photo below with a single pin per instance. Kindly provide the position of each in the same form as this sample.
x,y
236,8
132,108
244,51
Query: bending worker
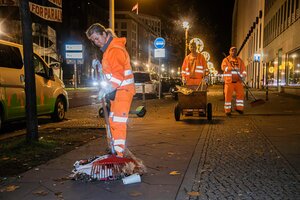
x,y
118,72
194,67
233,71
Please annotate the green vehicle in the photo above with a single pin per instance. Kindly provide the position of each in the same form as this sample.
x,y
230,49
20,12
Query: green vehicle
x,y
51,96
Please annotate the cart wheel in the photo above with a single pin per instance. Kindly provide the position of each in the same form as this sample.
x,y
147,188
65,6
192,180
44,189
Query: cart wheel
x,y
142,112
101,112
209,111
177,113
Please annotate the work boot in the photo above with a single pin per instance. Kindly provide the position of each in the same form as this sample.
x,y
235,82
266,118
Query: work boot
x,y
240,111
228,114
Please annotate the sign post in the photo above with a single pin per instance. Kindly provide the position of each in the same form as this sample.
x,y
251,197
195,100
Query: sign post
x,y
159,52
74,56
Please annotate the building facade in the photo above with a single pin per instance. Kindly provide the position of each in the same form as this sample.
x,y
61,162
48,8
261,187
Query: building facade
x,y
266,33
140,31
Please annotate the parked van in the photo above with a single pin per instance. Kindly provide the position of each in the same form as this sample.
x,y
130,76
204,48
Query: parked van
x,y
144,82
51,96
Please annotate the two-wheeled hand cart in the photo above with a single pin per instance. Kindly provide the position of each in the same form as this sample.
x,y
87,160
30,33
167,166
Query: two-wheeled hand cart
x,y
193,104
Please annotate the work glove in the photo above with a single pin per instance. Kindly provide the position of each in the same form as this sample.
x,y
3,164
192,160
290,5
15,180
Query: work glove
x,y
101,94
105,88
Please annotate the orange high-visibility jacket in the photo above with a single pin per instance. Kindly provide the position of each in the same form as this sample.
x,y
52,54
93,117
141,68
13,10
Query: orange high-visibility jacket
x,y
230,75
193,67
116,66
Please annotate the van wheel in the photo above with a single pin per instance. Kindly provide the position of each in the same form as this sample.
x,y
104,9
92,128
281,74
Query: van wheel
x,y
59,110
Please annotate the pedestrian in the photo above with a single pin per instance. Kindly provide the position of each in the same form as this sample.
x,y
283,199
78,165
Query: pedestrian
x,y
193,68
118,73
234,71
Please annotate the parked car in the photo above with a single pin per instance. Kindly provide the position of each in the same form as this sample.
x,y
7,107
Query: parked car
x,y
144,79
51,96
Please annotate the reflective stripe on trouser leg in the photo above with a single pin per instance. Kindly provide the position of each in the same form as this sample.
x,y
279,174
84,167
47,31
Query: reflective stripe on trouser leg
x,y
239,91
118,122
228,91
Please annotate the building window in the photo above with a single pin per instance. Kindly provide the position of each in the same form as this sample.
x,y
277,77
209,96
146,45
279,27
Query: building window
x,y
123,34
123,25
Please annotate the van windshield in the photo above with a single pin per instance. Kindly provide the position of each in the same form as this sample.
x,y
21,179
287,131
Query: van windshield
x,y
141,77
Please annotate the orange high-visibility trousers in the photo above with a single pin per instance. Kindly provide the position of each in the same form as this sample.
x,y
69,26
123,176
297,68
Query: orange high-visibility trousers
x,y
229,88
118,118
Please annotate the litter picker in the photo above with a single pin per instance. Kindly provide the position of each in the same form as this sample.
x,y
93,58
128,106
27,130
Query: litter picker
x,y
256,101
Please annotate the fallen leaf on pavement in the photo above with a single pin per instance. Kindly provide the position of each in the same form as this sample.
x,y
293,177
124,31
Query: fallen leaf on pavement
x,y
10,188
193,194
40,193
174,173
5,158
135,194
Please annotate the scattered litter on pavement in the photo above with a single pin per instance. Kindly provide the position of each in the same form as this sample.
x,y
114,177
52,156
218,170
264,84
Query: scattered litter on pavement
x,y
133,178
135,194
193,194
173,173
40,193
10,188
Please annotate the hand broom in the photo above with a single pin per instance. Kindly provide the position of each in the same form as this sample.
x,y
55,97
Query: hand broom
x,y
112,167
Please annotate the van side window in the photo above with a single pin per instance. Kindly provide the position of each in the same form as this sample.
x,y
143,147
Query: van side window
x,y
10,57
39,66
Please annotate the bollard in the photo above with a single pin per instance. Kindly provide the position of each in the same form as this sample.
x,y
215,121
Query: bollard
x,y
267,92
143,86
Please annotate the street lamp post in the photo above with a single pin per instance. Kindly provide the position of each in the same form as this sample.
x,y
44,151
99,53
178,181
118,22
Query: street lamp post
x,y
112,14
186,27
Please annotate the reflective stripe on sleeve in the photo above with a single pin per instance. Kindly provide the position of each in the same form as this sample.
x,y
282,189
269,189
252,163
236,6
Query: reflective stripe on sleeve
x,y
187,69
226,69
227,107
199,67
127,82
234,72
115,80
127,72
227,74
187,73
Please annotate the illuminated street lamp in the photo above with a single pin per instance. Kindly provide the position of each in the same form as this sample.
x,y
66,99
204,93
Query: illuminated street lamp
x,y
186,27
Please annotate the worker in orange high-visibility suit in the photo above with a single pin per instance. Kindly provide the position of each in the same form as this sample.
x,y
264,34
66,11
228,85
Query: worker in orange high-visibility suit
x,y
118,72
234,70
194,67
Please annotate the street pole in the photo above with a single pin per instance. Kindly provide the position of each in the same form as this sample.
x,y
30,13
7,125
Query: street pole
x,y
30,91
112,14
75,75
186,41
159,78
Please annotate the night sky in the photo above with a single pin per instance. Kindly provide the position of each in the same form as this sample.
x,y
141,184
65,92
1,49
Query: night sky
x,y
210,21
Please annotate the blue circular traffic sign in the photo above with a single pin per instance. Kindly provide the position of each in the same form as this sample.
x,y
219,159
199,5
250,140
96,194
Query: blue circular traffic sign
x,y
159,43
